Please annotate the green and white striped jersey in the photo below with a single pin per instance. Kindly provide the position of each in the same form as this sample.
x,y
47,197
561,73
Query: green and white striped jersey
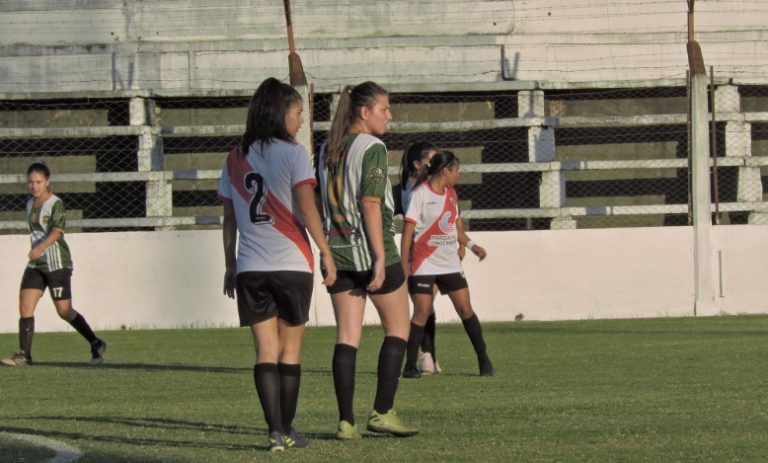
x,y
41,221
362,173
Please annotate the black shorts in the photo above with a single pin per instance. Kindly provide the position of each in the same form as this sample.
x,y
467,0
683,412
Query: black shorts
x,y
347,280
446,283
58,282
264,295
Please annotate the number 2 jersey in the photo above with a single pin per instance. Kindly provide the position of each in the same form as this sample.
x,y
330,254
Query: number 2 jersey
x,y
260,186
435,239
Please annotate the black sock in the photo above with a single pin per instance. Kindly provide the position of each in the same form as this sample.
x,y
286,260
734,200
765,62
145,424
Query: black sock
x,y
428,341
290,381
390,360
475,333
26,331
267,380
82,327
344,364
412,350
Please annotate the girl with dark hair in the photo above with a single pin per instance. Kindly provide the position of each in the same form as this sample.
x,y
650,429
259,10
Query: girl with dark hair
x,y
267,188
359,206
50,265
428,246
416,157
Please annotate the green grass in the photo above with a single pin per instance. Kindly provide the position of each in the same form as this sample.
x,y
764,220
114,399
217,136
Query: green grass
x,y
683,389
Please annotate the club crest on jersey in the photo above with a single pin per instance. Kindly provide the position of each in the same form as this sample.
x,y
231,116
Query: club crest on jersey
x,y
377,175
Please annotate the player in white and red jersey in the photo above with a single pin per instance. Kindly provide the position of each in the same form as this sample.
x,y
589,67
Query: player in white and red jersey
x,y
267,187
431,236
415,158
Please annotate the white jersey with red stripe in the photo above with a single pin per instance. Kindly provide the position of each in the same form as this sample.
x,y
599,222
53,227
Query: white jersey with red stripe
x,y
260,186
435,239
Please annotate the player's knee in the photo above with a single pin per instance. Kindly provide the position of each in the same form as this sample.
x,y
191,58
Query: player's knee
x,y
420,318
465,312
66,313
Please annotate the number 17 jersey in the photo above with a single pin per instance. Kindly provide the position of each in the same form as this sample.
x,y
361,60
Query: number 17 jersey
x,y
272,236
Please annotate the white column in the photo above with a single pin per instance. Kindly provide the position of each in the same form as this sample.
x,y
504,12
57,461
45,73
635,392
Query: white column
x,y
738,143
304,136
704,270
159,194
541,148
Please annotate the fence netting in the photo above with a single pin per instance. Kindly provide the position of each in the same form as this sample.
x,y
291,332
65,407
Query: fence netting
x,y
531,159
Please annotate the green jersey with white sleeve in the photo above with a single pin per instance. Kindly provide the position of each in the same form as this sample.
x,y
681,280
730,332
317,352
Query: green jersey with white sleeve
x,y
361,174
41,220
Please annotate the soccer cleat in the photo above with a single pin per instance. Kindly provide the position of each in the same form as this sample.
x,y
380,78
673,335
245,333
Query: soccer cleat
x,y
428,365
276,442
19,359
97,352
348,431
411,372
389,423
486,368
294,440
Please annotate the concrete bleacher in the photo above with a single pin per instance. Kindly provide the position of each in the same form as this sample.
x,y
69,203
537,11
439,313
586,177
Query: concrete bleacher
x,y
180,152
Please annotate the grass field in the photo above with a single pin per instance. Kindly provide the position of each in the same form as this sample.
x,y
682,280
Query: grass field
x,y
683,389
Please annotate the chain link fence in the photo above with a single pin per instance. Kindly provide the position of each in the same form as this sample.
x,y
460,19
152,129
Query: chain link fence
x,y
740,149
532,159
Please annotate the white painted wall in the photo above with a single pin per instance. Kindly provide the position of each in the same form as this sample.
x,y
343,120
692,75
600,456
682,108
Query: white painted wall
x,y
174,279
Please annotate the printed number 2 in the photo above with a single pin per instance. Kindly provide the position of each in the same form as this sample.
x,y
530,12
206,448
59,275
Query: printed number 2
x,y
254,183
57,292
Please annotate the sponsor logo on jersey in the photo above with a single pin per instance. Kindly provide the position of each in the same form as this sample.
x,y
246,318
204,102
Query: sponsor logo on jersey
x,y
446,225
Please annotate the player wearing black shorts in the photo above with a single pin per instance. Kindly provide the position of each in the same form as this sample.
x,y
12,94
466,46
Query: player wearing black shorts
x,y
49,266
358,205
431,235
267,188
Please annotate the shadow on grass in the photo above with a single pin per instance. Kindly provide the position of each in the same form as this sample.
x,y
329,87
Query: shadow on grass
x,y
146,367
157,423
139,441
180,367
153,422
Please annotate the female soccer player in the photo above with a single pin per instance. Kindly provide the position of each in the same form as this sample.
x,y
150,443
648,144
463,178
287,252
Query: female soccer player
x,y
358,204
416,157
50,265
267,188
428,248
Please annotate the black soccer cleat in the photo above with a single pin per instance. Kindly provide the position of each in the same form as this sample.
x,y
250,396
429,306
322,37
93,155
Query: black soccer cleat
x,y
97,352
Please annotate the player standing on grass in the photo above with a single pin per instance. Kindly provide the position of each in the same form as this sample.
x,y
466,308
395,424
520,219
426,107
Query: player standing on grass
x,y
415,158
267,188
50,265
358,205
428,246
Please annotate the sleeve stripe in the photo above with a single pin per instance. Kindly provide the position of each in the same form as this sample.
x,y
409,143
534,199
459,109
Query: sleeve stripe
x,y
371,199
310,181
